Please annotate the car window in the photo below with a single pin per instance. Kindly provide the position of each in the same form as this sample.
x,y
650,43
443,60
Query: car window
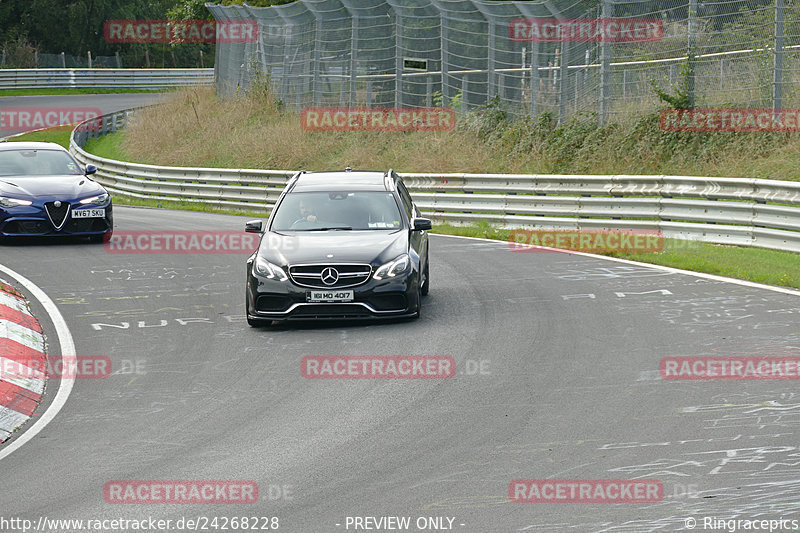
x,y
359,210
37,163
406,198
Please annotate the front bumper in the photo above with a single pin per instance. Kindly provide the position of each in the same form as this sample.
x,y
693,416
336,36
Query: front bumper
x,y
388,298
33,222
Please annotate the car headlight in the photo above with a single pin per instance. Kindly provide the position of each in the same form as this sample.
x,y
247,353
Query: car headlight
x,y
393,268
100,199
268,270
13,202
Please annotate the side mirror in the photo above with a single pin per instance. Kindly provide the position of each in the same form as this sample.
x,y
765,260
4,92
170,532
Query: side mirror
x,y
90,169
421,224
254,226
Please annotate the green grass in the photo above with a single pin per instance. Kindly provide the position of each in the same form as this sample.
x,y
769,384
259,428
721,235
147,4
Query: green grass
x,y
68,90
59,135
108,146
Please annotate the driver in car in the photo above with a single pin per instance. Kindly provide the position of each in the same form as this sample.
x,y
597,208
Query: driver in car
x,y
307,213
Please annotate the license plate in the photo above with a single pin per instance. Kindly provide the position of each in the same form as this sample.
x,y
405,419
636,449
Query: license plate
x,y
329,296
88,213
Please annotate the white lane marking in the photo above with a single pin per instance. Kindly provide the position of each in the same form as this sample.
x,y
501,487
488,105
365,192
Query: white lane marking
x,y
784,290
21,375
21,334
68,360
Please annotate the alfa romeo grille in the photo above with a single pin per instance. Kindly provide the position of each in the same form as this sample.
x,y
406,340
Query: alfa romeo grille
x,y
330,276
57,214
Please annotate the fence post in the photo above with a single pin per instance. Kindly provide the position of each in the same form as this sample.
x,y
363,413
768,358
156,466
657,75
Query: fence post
x,y
89,54
490,64
626,79
445,68
317,66
369,93
534,107
353,61
691,45
288,36
777,84
428,91
564,84
605,67
398,61
464,91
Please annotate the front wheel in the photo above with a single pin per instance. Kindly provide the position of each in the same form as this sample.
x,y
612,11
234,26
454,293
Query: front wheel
x,y
427,286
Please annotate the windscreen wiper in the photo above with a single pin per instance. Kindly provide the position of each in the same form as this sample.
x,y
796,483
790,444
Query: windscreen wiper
x,y
331,228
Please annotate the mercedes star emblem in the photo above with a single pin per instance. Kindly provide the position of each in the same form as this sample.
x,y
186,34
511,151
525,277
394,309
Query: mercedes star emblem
x,y
330,276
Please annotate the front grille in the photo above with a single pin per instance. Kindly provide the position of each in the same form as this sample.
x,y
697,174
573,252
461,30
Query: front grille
x,y
349,275
331,311
57,214
27,227
85,225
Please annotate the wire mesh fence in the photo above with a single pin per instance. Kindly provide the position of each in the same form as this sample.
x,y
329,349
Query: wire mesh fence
x,y
567,57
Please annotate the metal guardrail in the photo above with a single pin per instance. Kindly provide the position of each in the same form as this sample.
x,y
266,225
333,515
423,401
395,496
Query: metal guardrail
x,y
747,212
156,78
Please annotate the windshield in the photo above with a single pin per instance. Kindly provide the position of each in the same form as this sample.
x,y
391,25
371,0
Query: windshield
x,y
37,163
317,211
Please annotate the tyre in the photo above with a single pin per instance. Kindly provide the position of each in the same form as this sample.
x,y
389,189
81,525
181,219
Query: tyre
x,y
427,286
